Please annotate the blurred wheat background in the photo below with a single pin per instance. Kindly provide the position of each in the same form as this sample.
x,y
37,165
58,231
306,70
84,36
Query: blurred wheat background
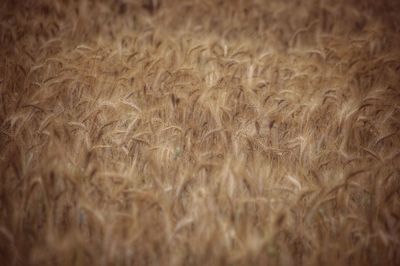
x,y
199,132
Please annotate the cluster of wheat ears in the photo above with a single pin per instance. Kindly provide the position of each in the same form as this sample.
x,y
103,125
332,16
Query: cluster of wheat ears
x,y
241,132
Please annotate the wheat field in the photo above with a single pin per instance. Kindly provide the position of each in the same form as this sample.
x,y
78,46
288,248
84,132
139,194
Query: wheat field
x,y
241,132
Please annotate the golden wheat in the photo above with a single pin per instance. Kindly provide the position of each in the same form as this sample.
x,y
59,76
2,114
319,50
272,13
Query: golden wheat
x,y
199,132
